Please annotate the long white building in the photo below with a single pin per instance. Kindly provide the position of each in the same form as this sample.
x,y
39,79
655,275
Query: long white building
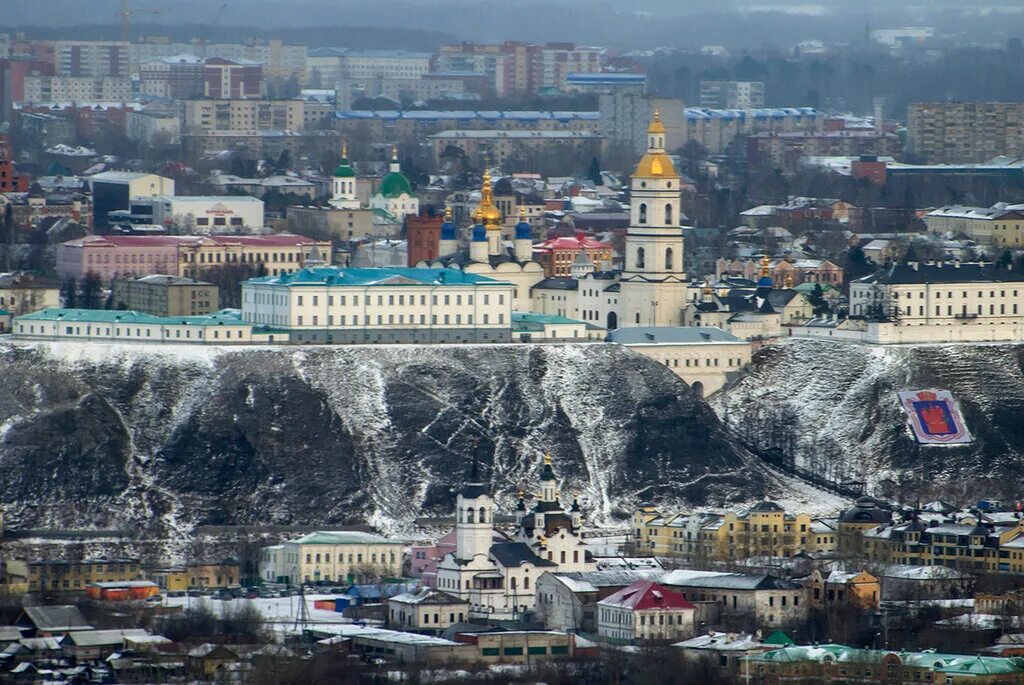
x,y
381,305
195,214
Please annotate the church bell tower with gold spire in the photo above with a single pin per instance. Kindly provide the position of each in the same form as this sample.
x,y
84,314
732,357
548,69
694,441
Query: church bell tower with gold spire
x,y
653,279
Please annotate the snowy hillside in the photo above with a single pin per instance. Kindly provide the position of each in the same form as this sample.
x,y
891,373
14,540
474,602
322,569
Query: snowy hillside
x,y
831,409
161,440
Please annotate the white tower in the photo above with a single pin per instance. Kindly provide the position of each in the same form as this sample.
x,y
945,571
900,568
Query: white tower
x,y
343,183
653,281
581,266
474,521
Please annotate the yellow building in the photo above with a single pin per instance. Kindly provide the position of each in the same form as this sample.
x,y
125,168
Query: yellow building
x,y
965,544
73,576
201,575
161,295
764,530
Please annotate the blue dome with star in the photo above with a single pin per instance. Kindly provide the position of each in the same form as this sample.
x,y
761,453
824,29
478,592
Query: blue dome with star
x,y
524,231
479,233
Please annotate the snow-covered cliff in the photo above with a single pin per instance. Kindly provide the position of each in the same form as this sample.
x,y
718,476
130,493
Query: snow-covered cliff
x,y
830,409
160,440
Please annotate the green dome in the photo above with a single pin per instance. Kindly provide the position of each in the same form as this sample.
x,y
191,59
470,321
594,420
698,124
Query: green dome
x,y
344,170
395,184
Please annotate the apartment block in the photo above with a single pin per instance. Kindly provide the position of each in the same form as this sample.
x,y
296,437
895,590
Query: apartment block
x,y
92,58
208,115
732,94
964,132
41,89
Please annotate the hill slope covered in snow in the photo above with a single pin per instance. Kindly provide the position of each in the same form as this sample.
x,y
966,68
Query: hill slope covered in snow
x,y
160,440
830,410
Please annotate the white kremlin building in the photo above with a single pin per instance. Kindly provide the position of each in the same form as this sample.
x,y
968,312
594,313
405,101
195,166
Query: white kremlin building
x,y
500,579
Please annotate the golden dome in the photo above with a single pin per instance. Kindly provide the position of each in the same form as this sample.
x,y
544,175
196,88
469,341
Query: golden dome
x,y
656,126
655,165
486,213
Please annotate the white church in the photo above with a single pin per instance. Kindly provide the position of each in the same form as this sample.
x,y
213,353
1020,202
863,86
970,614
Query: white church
x,y
500,579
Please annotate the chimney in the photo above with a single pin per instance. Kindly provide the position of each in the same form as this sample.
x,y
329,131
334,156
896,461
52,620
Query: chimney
x,y
879,104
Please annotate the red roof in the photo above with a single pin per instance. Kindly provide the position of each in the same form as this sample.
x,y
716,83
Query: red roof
x,y
646,594
574,244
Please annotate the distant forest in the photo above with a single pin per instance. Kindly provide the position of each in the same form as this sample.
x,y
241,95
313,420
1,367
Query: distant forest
x,y
359,37
848,80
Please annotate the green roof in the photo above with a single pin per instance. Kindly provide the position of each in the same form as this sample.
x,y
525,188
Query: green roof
x,y
228,317
778,638
344,169
383,276
343,537
394,185
942,663
4,312
529,321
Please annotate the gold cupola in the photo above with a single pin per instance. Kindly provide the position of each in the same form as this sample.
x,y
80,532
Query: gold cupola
x,y
655,163
486,214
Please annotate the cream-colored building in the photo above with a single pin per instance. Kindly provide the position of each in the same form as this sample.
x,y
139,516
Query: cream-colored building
x,y
43,89
22,293
204,115
111,325
342,556
161,295
427,610
706,358
1001,226
645,610
939,294
387,305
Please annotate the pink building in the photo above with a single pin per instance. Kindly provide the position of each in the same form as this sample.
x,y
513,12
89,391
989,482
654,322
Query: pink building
x,y
112,257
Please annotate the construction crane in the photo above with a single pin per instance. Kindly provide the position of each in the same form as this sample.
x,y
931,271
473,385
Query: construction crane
x,y
203,40
126,13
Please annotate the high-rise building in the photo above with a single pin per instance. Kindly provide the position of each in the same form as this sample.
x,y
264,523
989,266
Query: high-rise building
x,y
732,94
964,132
92,58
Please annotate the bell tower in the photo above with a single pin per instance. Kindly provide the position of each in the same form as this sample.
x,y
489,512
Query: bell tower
x,y
474,518
653,279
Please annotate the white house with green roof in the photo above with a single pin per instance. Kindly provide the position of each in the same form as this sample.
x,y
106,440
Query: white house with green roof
x,y
340,556
381,305
395,195
225,327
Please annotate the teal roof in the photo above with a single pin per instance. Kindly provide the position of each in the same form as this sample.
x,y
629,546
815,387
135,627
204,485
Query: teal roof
x,y
395,184
809,287
982,665
343,537
384,276
225,317
4,312
344,169
531,321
